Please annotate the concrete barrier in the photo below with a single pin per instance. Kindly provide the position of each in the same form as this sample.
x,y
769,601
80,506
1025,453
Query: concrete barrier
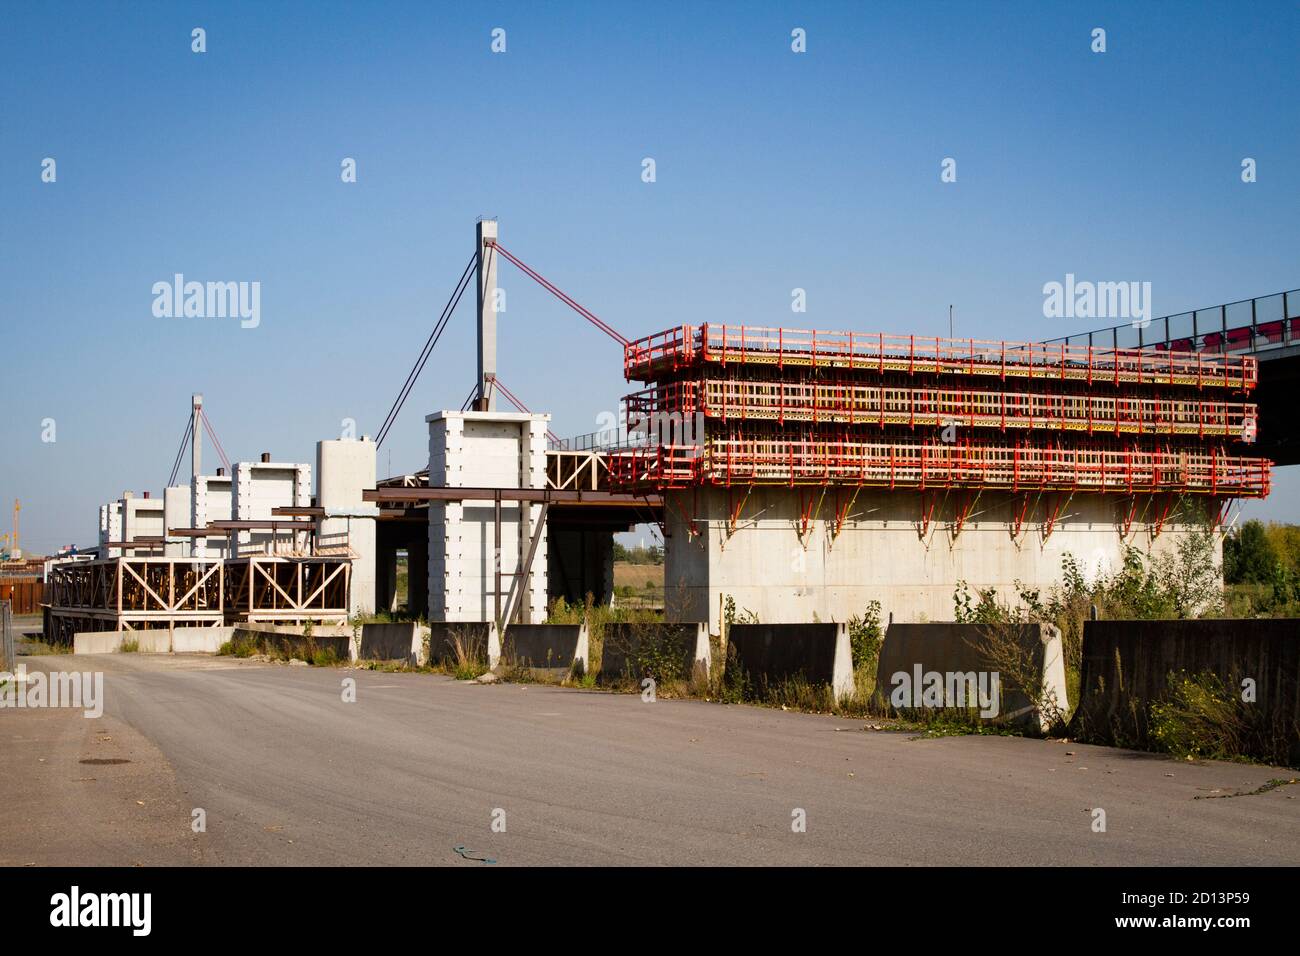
x,y
200,640
925,666
160,640
478,639
633,650
292,640
555,650
769,654
100,642
1127,665
403,641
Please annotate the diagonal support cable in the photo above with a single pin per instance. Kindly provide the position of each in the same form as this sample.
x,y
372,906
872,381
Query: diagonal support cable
x,y
432,341
559,294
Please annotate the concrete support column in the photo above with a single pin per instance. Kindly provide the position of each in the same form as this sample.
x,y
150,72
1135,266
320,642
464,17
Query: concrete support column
x,y
344,469
176,514
417,578
485,450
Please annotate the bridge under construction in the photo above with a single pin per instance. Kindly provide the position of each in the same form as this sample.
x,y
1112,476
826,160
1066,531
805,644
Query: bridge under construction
x,y
794,474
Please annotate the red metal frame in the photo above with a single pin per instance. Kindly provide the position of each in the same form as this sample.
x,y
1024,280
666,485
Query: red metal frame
x,y
851,402
795,408
908,462
649,357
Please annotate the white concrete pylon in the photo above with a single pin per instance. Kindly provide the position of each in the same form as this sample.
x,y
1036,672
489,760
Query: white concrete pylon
x,y
196,436
486,275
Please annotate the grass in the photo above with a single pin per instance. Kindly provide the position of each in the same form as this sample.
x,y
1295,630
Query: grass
x,y
41,647
130,645
281,647
468,659
1201,718
596,617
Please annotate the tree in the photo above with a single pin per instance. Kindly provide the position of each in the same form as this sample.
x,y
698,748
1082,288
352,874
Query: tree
x,y
1249,556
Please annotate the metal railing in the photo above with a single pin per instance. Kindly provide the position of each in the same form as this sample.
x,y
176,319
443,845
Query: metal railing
x,y
663,354
608,440
860,404
1249,325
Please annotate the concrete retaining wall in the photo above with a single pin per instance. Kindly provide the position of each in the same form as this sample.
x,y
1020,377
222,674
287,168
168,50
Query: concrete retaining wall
x,y
394,642
662,651
554,649
1126,667
959,653
771,653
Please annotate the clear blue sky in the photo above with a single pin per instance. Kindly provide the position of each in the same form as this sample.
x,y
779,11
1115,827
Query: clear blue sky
x,y
775,170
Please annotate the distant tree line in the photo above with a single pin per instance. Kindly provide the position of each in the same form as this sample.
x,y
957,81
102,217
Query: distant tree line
x,y
651,555
1265,555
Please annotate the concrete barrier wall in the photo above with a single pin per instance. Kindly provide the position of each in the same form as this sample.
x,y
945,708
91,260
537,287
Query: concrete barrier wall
x,y
911,653
292,640
632,650
478,638
772,653
183,640
99,642
556,649
1126,667
200,640
394,642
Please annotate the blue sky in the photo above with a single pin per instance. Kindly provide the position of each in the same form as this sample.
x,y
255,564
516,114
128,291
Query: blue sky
x,y
775,170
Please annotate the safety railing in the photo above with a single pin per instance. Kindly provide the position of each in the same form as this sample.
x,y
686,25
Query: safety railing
x,y
857,404
1247,326
664,353
922,464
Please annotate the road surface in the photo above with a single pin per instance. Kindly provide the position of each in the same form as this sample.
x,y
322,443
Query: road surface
x,y
286,772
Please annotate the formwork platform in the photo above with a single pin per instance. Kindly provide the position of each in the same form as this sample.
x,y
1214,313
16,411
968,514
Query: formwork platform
x,y
779,406
664,354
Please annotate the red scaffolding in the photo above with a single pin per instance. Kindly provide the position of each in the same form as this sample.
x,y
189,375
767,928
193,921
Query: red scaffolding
x,y
750,406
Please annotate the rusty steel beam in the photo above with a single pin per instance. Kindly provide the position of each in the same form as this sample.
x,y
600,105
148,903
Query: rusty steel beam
x,y
537,495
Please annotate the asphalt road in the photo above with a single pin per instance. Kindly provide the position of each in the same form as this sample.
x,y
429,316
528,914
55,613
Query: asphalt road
x,y
287,772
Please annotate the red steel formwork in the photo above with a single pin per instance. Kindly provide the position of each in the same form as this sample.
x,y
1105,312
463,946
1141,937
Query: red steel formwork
x,y
844,403
780,406
663,354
